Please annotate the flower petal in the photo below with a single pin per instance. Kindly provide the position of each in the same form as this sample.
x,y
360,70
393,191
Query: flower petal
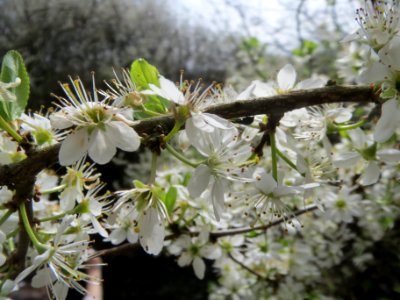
x,y
101,147
286,77
211,251
218,197
389,155
310,83
199,267
168,90
199,181
185,259
123,136
117,236
41,278
264,181
371,174
73,147
346,160
152,232
387,122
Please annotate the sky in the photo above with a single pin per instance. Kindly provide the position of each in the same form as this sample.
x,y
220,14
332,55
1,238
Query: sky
x,y
270,20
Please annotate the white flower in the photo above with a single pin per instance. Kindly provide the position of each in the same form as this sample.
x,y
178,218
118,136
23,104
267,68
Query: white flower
x,y
379,23
194,100
100,128
6,195
123,93
10,152
286,82
268,195
366,150
151,214
92,206
125,226
40,128
342,206
193,251
225,158
58,266
77,178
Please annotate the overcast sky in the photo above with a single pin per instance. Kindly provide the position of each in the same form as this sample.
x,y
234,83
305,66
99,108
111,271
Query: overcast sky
x,y
270,20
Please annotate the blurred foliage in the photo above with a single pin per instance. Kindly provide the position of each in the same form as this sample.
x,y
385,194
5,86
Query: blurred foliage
x,y
71,37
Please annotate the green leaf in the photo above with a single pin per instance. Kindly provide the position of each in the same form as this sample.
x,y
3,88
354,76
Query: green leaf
x,y
170,199
251,43
12,67
143,73
307,48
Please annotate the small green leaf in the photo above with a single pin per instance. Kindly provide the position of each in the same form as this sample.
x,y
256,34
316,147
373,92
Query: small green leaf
x,y
307,48
170,199
13,67
143,73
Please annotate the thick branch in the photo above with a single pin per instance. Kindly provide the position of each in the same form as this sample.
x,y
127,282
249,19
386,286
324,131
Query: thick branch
x,y
19,176
274,105
14,174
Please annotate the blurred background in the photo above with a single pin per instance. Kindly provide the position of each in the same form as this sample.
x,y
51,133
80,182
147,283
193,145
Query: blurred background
x,y
227,41
218,40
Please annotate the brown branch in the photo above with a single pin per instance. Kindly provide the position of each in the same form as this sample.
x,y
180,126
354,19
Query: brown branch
x,y
213,235
248,269
14,175
222,233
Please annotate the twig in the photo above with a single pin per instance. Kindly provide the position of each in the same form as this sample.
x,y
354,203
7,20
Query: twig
x,y
250,270
221,233
213,235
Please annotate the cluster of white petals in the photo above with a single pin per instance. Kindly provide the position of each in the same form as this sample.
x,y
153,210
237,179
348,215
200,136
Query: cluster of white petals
x,y
222,194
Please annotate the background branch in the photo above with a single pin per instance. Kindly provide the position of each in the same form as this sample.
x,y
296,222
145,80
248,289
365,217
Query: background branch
x,y
213,235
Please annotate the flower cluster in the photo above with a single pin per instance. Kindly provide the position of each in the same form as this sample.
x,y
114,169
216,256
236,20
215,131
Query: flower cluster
x,y
221,191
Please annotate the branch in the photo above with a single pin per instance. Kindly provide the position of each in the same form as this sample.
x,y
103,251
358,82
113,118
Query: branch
x,y
274,105
248,269
213,235
222,233
12,175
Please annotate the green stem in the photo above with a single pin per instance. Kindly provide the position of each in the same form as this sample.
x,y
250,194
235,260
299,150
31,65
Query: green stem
x,y
175,129
288,161
29,230
53,190
52,218
350,126
180,156
153,170
150,112
11,245
274,156
7,127
5,216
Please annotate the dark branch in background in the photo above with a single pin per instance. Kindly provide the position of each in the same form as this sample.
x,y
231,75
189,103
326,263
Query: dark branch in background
x,y
213,235
15,175
248,269
298,22
222,233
